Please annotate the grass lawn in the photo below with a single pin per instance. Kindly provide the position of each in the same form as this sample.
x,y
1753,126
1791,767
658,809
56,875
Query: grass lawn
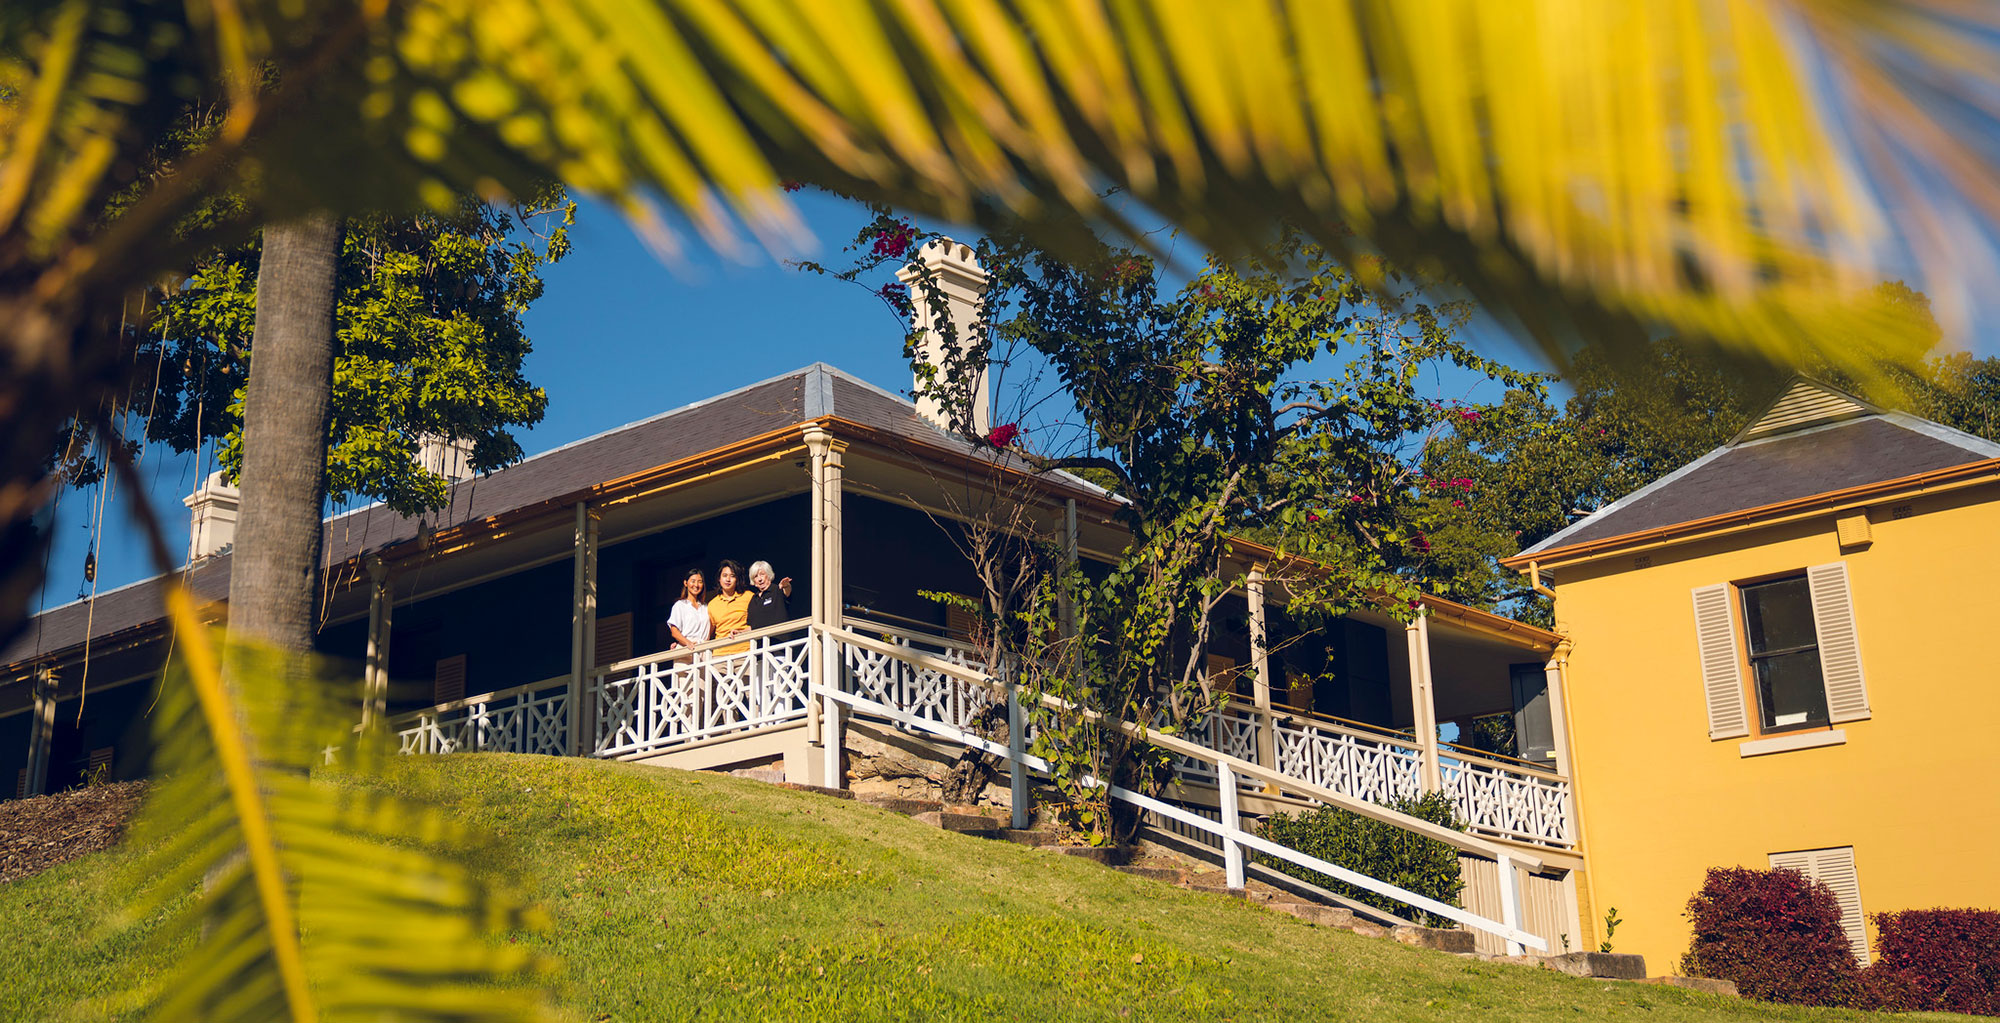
x,y
677,896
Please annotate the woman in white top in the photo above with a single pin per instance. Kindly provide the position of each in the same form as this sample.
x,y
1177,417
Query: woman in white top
x,y
689,621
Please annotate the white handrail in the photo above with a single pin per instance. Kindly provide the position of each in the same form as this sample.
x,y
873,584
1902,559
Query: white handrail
x,y
471,701
684,652
1228,831
1175,744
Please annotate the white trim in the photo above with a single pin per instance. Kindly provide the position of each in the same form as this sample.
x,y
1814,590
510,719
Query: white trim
x,y
1938,431
1795,740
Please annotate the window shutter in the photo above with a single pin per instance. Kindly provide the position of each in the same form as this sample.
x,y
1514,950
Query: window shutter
x,y
1721,666
1834,868
21,784
450,683
614,639
100,758
1839,648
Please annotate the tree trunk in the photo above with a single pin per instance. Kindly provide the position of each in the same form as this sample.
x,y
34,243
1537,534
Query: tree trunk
x,y
274,571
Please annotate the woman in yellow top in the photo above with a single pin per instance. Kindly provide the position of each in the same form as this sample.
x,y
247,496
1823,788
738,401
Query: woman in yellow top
x,y
729,609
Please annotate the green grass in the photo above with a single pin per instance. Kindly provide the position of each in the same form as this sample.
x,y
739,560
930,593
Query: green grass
x,y
677,896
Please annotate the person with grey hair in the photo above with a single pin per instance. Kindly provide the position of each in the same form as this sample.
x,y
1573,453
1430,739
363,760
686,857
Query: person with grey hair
x,y
767,602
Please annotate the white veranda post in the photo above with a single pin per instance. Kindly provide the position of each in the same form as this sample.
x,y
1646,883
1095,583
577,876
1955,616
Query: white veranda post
x,y
1260,664
1423,711
828,476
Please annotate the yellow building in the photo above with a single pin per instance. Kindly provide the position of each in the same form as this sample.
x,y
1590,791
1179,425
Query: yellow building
x,y
1782,655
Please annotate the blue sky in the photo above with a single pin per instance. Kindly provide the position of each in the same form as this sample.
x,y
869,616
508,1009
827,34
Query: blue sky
x,y
618,337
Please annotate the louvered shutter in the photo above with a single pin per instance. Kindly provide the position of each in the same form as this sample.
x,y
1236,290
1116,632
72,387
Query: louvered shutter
x,y
614,639
100,759
1834,868
450,680
21,784
1839,648
1721,666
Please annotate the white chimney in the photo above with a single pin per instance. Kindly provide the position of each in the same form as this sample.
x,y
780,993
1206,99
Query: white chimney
x,y
445,456
212,525
962,282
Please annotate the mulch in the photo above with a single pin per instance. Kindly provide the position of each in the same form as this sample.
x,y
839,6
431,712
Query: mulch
x,y
39,833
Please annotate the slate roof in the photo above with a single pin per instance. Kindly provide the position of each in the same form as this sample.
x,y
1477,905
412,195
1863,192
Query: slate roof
x,y
779,402
1760,468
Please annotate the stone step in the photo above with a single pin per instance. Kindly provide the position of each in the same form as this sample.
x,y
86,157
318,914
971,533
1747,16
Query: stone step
x,y
1166,874
961,822
1316,914
1604,965
1437,939
1705,985
899,804
817,790
1106,855
1025,836
768,775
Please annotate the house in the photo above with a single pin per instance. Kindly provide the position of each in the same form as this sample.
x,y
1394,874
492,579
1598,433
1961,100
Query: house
x,y
527,617
1776,660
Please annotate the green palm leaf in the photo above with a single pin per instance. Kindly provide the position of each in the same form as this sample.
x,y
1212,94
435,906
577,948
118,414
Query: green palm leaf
x,y
319,896
1581,166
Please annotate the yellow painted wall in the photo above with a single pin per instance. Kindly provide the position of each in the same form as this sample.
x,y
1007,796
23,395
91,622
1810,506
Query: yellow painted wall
x,y
1916,787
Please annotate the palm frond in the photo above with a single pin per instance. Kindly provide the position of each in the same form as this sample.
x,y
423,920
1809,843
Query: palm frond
x,y
319,898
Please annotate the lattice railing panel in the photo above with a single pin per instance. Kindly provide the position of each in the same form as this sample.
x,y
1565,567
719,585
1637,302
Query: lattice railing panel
x,y
526,719
1521,805
675,700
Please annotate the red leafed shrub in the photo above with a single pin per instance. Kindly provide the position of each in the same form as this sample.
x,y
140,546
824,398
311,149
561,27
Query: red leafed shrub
x,y
1941,960
1776,933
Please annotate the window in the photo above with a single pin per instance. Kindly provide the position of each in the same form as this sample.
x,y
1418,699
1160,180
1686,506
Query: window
x,y
1784,654
1833,868
1804,657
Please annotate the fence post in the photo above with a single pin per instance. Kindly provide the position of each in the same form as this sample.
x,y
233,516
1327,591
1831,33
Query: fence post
x,y
1232,821
1510,900
1017,752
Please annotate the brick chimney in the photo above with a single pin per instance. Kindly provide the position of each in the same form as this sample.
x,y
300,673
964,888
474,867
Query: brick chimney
x,y
962,282
212,524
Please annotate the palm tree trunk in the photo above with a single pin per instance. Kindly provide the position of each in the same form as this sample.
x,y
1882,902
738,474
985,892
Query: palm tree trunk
x,y
275,569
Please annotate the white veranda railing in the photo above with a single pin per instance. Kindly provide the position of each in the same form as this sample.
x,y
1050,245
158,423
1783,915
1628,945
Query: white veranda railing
x,y
1496,799
909,687
524,719
677,697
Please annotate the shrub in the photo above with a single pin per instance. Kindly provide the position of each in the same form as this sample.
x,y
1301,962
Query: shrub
x,y
1381,851
1776,933
1942,960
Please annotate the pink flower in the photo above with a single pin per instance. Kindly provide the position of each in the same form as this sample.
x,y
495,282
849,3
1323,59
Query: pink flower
x,y
1457,503
1467,415
896,295
1355,498
1312,516
1003,435
895,240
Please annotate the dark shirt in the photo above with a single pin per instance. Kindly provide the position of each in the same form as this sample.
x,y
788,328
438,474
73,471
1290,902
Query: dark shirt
x,y
768,608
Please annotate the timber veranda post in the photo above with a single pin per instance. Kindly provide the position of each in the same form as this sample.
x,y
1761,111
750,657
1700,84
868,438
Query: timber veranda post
x,y
375,670
816,440
1423,713
583,625
833,734
41,731
1260,666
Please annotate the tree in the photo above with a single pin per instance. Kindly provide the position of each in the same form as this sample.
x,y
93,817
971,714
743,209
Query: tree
x,y
1206,409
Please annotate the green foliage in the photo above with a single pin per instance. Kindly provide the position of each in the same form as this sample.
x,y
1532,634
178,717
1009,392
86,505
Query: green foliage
x,y
1383,851
1611,922
373,900
430,344
1280,398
